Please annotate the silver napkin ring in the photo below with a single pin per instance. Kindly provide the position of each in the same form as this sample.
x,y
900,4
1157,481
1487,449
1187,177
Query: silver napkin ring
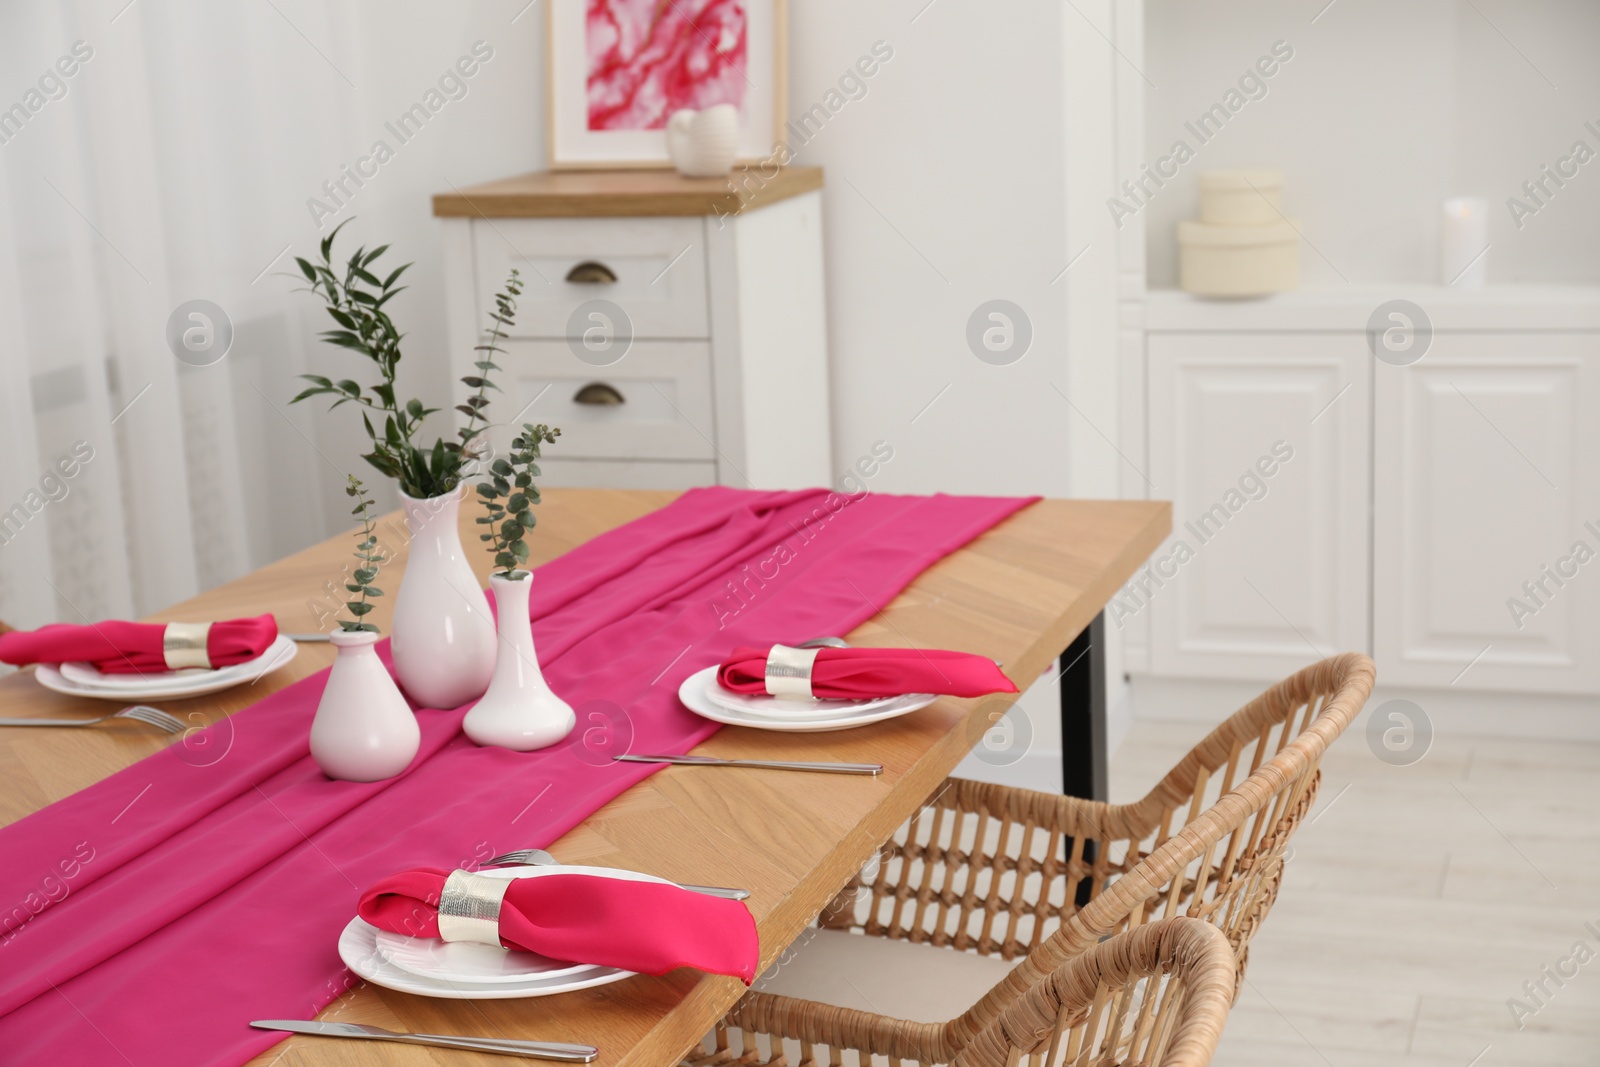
x,y
469,907
183,644
789,671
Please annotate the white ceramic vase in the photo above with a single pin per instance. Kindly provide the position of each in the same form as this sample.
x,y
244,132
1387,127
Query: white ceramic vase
x,y
364,730
519,711
442,635
704,144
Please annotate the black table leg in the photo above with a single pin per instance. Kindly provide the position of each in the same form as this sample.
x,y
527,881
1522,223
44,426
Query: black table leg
x,y
1083,713
1083,731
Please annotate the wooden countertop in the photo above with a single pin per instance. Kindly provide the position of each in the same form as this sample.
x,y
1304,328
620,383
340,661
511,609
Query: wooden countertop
x,y
592,193
1018,593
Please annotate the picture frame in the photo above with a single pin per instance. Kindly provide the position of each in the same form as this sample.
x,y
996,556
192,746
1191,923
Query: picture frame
x,y
634,108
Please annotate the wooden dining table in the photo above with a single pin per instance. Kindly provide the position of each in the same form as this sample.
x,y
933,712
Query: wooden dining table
x,y
1019,593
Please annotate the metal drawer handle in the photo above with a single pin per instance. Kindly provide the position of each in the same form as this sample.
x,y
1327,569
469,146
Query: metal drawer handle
x,y
600,394
591,272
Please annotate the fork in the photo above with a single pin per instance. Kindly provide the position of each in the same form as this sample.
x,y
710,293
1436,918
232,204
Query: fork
x,y
540,858
139,713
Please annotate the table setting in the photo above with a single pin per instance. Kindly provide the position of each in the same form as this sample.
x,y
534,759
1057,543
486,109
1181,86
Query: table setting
x,y
385,819
266,840
826,685
128,661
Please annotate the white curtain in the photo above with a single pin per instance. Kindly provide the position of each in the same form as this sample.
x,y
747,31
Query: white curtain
x,y
155,152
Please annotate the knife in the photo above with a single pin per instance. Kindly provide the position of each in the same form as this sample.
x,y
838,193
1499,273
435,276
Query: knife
x,y
782,765
542,1050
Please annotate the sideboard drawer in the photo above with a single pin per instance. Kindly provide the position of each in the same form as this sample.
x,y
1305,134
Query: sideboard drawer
x,y
664,389
658,266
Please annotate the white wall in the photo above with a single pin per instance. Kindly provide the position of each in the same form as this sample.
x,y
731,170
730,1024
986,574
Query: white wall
x,y
945,188
1385,110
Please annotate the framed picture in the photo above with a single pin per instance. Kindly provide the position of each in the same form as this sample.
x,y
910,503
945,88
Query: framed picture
x,y
619,69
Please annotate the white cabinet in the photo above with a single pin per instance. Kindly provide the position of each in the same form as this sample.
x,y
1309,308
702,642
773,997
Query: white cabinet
x,y
1261,443
673,328
1487,514
1443,516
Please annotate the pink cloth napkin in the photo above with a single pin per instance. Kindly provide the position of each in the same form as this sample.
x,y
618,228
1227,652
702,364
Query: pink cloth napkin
x,y
222,869
860,673
648,927
133,647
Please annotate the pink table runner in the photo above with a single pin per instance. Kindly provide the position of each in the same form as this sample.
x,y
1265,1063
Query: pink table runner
x,y
149,917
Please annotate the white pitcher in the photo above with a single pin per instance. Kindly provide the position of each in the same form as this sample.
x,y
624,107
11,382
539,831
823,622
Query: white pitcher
x,y
520,711
704,144
442,635
364,730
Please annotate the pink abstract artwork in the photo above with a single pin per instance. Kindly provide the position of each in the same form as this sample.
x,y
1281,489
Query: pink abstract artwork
x,y
649,58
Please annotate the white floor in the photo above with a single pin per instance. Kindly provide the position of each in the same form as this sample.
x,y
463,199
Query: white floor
x,y
1419,900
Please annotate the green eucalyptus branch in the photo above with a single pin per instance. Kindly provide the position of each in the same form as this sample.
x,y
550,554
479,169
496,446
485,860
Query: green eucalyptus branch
x,y
511,481
503,316
371,557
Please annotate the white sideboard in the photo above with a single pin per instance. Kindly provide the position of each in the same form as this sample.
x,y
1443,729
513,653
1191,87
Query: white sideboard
x,y
673,328
1441,514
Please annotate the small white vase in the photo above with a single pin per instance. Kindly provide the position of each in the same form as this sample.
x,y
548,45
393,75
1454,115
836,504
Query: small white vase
x,y
442,635
519,711
364,730
704,144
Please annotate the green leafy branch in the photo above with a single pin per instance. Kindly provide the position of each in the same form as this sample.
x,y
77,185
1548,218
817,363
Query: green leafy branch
x,y
371,557
509,496
504,316
354,296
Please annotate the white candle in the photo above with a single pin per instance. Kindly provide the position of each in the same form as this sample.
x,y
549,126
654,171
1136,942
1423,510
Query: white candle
x,y
1464,242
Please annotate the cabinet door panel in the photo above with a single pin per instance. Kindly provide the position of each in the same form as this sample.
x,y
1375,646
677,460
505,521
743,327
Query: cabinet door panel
x,y
1265,572
1485,488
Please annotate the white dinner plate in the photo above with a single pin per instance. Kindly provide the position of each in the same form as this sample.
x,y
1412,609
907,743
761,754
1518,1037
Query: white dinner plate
x,y
83,680
88,674
793,709
843,715
358,948
469,962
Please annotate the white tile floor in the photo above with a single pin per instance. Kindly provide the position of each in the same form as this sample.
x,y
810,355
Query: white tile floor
x,y
1418,901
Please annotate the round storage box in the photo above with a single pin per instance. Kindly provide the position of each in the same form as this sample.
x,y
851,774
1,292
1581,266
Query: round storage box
x,y
1241,197
1238,260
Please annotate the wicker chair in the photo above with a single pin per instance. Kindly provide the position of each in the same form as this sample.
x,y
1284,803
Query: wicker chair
x,y
1015,873
1157,995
